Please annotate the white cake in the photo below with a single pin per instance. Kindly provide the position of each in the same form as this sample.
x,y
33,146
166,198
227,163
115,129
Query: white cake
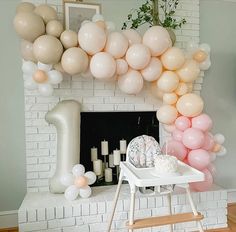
x,y
166,165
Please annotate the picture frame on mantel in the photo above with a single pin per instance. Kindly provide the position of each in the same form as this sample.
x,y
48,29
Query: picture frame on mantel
x,y
75,12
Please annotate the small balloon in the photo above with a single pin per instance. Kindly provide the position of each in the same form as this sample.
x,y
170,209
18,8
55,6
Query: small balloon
x,y
30,84
110,26
47,12
78,170
81,182
182,123
54,28
121,66
181,89
133,36
97,17
27,51
200,56
170,98
69,39
167,114
71,193
40,76
222,151
55,77
91,177
29,67
85,192
219,138
45,89
67,179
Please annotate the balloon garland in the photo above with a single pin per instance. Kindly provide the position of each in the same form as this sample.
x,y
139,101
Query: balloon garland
x,y
130,59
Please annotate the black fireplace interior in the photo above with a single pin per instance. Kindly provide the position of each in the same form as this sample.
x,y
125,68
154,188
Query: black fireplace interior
x,y
113,126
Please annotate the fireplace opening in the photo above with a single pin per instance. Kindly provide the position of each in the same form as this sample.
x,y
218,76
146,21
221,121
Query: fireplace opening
x,y
113,127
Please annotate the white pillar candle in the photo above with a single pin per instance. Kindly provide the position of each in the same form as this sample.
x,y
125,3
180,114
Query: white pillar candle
x,y
94,153
104,145
116,157
123,146
108,175
97,167
111,161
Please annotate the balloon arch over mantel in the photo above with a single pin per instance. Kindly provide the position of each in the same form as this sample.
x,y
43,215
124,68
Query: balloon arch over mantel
x,y
130,59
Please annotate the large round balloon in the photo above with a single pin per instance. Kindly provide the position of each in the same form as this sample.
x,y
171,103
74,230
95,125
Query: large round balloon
x,y
54,28
48,49
103,65
167,114
202,122
74,60
138,56
189,72
28,25
170,98
193,138
190,105
92,38
153,71
131,82
46,12
27,51
157,39
69,39
25,7
173,58
133,36
199,159
117,44
168,81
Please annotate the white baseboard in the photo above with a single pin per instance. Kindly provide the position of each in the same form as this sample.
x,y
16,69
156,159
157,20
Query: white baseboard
x,y
231,195
8,219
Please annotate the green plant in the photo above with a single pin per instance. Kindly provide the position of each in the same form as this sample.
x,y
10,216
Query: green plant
x,y
148,13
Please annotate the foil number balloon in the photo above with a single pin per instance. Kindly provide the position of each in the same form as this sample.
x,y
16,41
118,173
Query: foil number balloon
x,y
65,116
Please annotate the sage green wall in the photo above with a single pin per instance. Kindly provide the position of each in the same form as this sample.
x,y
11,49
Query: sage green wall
x,y
12,155
217,27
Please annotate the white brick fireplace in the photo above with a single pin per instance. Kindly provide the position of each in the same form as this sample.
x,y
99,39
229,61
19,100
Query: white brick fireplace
x,y
42,211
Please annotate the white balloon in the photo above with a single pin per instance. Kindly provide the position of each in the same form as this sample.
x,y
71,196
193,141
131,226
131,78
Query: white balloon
x,y
219,138
97,17
78,170
85,192
55,77
205,65
110,26
212,156
91,177
67,179
29,67
45,89
44,67
192,46
205,47
222,151
30,84
27,77
71,193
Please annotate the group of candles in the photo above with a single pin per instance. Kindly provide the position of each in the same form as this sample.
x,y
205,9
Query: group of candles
x,y
114,159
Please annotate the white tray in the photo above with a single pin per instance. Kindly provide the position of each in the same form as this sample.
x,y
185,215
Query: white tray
x,y
143,177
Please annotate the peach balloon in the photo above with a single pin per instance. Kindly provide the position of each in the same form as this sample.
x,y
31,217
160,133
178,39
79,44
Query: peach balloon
x,y
200,56
117,44
131,82
170,98
167,114
74,60
173,58
81,181
153,71
54,28
27,51
133,36
138,56
181,89
69,39
169,128
216,148
121,66
190,105
157,39
47,49
156,92
46,12
25,7
103,65
40,76
168,81
29,26
92,38
189,72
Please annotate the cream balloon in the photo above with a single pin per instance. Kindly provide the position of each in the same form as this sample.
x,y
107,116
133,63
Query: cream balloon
x,y
47,49
167,114
121,66
133,36
74,60
46,12
28,25
170,98
27,51
103,65
117,44
131,82
54,28
92,38
138,56
25,7
155,91
157,39
69,39
181,89
153,71
189,72
173,58
190,105
168,81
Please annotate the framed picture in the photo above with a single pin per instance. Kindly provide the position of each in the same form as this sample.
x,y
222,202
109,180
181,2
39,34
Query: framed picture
x,y
76,12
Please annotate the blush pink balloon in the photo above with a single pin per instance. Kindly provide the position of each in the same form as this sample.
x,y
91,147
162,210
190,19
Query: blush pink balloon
x,y
211,167
193,138
182,123
199,159
209,142
176,149
177,135
202,122
203,185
